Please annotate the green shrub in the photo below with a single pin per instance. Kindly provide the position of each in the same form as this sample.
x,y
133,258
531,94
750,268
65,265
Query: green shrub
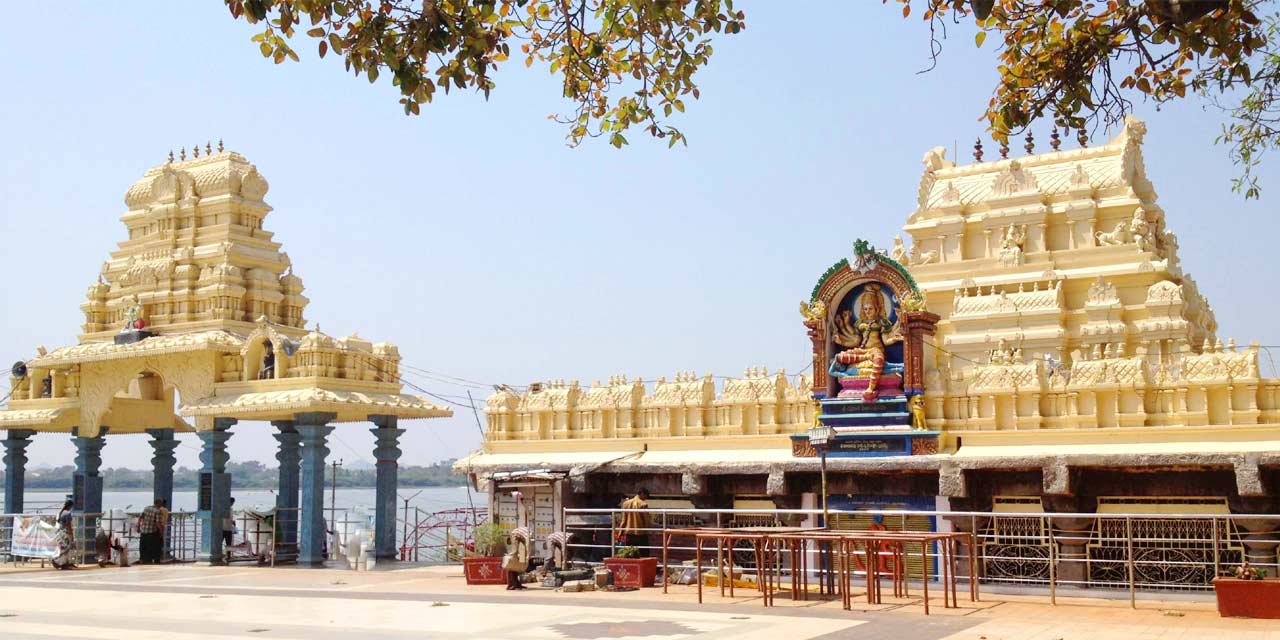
x,y
491,539
627,552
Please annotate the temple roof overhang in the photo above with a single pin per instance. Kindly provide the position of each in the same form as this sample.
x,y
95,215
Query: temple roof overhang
x,y
347,405
126,416
215,341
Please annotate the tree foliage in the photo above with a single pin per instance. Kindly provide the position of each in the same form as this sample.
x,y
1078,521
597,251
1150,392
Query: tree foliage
x,y
622,63
632,63
1080,63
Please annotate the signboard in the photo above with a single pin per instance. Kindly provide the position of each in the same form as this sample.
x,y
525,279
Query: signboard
x,y
204,500
34,538
871,445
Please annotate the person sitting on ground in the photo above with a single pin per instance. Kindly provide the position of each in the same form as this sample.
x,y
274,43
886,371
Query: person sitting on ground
x,y
104,543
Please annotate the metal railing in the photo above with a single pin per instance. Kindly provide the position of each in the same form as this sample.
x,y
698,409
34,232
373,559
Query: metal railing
x,y
1096,551
438,536
180,541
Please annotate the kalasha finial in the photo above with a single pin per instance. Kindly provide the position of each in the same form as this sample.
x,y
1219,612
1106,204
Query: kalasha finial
x,y
171,156
182,153
1004,149
1030,146
977,150
1083,137
219,145
1055,140
195,150
208,149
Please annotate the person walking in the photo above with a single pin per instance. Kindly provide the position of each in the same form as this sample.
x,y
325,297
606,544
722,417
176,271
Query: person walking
x,y
516,561
66,537
151,532
632,530
229,526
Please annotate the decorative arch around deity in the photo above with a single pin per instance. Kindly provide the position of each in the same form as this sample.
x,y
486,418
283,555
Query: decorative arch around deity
x,y
867,323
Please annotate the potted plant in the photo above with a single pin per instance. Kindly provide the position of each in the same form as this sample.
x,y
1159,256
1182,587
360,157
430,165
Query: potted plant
x,y
630,570
1247,593
483,565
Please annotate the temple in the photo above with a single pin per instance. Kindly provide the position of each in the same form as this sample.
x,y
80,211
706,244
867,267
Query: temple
x,y
1037,346
196,322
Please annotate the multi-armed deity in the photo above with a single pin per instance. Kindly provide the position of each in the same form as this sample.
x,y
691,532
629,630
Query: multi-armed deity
x,y
868,365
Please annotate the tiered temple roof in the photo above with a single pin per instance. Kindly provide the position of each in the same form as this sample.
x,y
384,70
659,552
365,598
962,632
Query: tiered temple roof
x,y
216,315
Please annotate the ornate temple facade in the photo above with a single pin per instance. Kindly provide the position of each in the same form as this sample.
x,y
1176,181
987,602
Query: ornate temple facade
x,y
1037,341
195,322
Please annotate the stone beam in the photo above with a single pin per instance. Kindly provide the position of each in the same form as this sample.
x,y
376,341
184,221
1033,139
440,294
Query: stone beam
x,y
951,481
693,484
1248,476
776,485
1055,478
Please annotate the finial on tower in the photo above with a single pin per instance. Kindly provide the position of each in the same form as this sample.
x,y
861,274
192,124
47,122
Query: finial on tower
x,y
1030,146
171,156
1004,150
1055,140
195,150
182,153
1083,138
977,150
208,149
219,145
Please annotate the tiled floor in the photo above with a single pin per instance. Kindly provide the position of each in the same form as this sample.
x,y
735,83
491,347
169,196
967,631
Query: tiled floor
x,y
141,603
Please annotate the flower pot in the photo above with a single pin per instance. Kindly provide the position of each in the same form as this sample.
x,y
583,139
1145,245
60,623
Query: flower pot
x,y
1248,598
483,571
632,572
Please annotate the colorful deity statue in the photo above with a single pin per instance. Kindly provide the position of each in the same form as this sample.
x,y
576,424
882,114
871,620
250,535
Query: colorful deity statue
x,y
863,363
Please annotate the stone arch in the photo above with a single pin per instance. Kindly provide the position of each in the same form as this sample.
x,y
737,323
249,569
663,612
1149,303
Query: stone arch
x,y
254,352
190,374
843,277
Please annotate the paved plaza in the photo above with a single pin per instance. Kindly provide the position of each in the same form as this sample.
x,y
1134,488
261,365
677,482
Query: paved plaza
x,y
144,603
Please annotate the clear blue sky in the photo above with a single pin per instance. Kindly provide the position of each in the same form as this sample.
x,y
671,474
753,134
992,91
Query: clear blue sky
x,y
485,248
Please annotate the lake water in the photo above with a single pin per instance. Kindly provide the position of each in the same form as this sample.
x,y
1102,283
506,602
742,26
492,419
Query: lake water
x,y
425,498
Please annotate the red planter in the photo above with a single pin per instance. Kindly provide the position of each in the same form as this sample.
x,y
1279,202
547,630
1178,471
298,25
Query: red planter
x,y
483,571
1247,598
632,572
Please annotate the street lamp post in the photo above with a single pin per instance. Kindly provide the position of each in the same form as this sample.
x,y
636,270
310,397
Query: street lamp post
x,y
820,438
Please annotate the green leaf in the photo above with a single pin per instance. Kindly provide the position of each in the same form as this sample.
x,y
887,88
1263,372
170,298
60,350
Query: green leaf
x,y
979,38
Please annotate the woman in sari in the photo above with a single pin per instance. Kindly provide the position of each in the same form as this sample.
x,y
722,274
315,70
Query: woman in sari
x,y
66,538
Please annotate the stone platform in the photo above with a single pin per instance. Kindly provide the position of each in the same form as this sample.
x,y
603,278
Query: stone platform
x,y
163,603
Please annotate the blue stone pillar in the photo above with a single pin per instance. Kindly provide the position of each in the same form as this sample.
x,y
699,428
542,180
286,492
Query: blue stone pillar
x,y
162,460
313,429
386,451
213,493
163,445
86,488
287,493
15,468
